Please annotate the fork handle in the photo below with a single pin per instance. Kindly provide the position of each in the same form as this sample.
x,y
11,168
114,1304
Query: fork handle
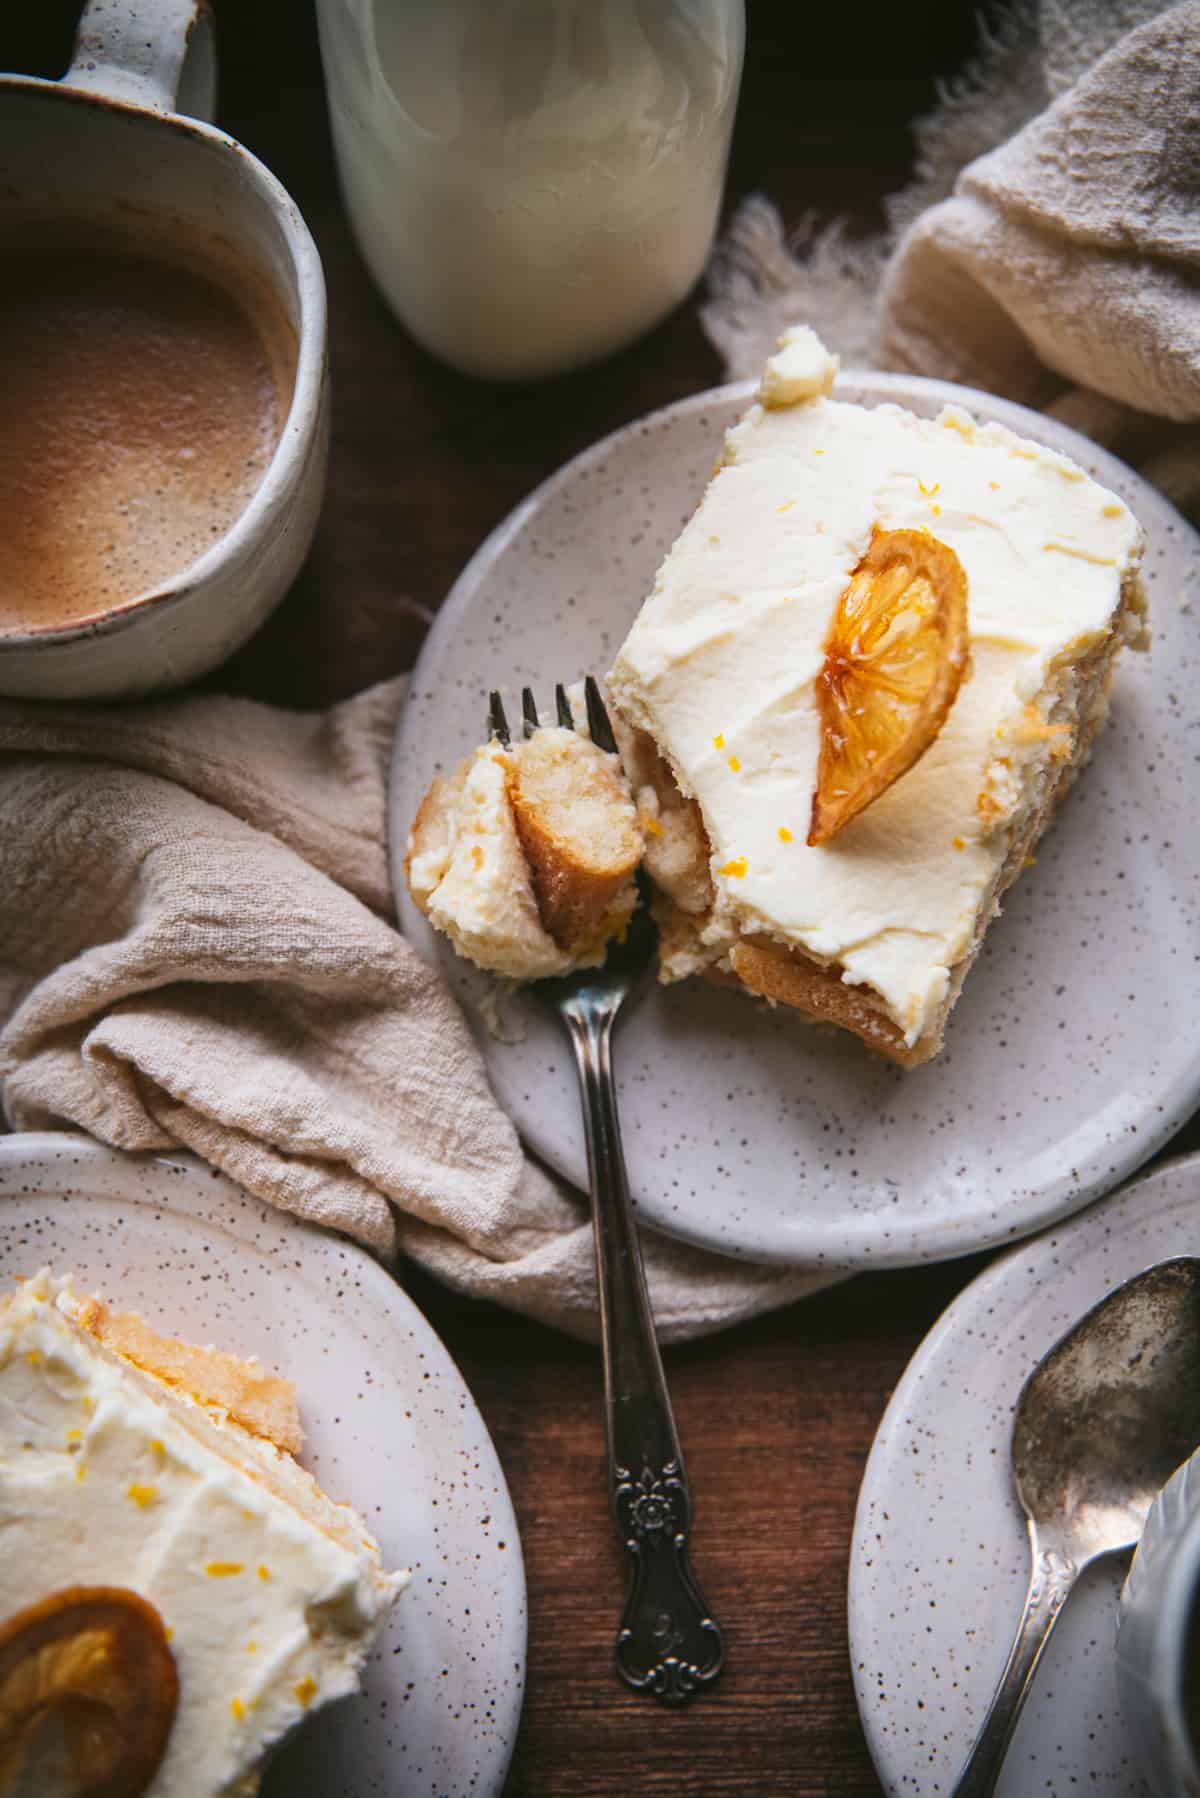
x,y
667,1644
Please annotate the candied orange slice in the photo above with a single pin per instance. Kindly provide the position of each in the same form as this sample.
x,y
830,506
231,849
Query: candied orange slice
x,y
95,1661
894,657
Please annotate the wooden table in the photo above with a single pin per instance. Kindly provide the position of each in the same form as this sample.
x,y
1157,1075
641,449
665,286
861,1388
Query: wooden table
x,y
776,1417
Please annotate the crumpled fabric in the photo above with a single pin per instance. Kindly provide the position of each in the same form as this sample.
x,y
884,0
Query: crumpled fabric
x,y
1047,249
198,950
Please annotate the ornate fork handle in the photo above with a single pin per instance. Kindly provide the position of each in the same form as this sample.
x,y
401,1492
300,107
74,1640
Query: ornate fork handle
x,y
668,1644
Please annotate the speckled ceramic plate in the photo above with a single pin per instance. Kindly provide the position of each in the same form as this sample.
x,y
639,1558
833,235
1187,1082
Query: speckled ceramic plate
x,y
939,1561
1072,1053
391,1428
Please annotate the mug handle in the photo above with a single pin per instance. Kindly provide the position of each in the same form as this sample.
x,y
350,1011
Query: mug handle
x,y
157,54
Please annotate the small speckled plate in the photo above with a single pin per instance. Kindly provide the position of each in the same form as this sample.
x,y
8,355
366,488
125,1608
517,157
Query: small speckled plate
x,y
391,1428
1072,1054
940,1557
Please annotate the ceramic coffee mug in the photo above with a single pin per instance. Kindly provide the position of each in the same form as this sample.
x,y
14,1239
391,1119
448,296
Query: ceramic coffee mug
x,y
1158,1642
122,143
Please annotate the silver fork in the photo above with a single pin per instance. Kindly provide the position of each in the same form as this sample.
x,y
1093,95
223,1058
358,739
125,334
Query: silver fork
x,y
667,1643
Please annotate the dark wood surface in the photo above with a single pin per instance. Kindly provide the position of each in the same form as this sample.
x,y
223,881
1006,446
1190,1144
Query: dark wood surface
x,y
776,1417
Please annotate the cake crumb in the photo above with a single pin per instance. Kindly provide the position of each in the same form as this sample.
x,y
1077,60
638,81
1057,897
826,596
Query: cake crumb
x,y
500,1029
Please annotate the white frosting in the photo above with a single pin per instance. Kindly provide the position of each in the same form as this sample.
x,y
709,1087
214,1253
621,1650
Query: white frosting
x,y
800,369
720,665
102,1484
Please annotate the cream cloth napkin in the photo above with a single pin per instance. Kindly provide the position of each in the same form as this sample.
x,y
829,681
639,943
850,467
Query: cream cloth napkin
x,y
1048,249
197,950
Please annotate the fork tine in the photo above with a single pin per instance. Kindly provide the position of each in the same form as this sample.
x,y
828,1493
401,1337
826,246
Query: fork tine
x,y
497,722
598,720
599,725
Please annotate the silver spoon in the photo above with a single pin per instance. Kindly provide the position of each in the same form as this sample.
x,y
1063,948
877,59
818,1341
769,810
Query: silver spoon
x,y
1101,1423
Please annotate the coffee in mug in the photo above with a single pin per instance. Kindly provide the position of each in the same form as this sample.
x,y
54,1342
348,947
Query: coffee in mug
x,y
165,388
141,402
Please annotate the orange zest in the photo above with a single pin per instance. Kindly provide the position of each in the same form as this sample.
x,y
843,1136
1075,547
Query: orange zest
x,y
894,657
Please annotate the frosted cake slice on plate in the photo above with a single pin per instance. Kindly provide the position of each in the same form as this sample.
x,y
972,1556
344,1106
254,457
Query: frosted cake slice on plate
x,y
720,686
176,1591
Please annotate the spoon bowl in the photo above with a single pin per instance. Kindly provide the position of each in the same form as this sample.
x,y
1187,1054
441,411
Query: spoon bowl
x,y
1113,1409
1101,1424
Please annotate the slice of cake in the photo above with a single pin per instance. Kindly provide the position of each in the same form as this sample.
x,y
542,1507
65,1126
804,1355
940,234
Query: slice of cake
x,y
525,856
175,1591
726,676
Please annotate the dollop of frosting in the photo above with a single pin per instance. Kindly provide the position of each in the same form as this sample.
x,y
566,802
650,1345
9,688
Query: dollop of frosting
x,y
800,369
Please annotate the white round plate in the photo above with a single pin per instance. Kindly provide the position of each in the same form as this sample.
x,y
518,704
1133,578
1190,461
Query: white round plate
x,y
391,1428
940,1558
1072,1054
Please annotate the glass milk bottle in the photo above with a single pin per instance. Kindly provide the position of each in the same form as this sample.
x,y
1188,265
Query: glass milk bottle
x,y
532,182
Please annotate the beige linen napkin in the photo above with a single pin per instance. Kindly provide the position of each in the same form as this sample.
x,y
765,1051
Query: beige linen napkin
x,y
1048,249
197,950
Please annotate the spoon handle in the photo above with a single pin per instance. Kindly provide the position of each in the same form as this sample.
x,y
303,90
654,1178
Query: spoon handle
x,y
1050,1583
669,1644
